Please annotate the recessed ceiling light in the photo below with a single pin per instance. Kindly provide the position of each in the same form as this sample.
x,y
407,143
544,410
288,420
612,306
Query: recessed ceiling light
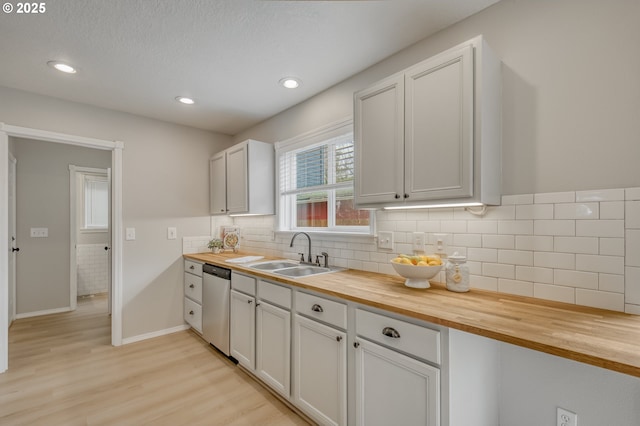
x,y
61,66
290,82
185,100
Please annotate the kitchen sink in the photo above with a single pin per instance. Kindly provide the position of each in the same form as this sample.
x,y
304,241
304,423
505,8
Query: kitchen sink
x,y
303,271
289,268
274,264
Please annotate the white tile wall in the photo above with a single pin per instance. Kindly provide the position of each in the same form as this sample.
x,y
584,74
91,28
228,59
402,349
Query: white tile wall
x,y
577,247
93,274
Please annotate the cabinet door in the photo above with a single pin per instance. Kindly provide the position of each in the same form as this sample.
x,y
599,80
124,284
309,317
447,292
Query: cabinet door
x,y
273,347
218,184
320,371
237,183
379,141
243,329
393,389
439,127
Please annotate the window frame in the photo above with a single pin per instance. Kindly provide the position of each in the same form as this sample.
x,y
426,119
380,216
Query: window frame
x,y
285,205
86,178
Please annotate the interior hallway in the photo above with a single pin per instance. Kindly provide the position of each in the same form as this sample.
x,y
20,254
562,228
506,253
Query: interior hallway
x,y
64,371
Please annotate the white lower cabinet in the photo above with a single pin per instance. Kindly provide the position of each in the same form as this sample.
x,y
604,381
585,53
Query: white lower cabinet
x,y
243,329
273,347
393,389
320,371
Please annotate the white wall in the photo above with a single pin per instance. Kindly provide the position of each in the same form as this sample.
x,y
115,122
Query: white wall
x,y
43,201
165,183
533,384
571,93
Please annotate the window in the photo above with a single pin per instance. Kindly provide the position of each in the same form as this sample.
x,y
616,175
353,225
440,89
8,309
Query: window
x,y
316,183
95,206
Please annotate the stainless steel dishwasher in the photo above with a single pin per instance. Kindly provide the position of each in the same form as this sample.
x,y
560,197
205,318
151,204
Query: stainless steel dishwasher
x,y
216,293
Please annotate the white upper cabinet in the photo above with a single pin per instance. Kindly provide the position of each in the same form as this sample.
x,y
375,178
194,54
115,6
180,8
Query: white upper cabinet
x,y
242,179
431,134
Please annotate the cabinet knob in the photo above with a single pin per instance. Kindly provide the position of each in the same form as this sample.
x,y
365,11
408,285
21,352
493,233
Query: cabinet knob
x,y
192,286
190,312
249,301
317,308
356,345
397,196
391,332
339,338
192,267
222,210
406,195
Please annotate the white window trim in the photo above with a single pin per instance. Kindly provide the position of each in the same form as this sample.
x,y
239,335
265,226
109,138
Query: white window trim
x,y
309,139
90,174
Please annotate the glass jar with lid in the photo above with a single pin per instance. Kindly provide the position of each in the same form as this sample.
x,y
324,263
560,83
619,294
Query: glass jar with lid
x,y
457,273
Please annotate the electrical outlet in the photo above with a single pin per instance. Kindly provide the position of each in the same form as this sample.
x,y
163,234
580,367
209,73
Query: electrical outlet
x,y
385,240
172,233
566,418
418,241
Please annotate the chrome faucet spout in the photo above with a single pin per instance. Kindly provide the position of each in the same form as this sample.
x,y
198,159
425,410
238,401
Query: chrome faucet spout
x,y
308,238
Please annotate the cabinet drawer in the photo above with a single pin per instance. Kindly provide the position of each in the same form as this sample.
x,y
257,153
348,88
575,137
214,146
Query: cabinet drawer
x,y
193,287
193,267
243,283
325,310
410,338
193,314
275,294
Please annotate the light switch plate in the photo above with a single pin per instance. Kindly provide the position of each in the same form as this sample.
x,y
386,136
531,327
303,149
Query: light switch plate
x,y
385,240
130,234
172,233
39,232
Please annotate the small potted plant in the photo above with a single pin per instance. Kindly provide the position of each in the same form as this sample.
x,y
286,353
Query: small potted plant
x,y
216,245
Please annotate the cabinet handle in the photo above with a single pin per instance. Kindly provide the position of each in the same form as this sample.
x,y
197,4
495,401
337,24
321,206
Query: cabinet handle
x,y
406,195
249,301
192,267
317,308
257,304
339,338
221,210
356,345
192,286
391,332
397,196
190,312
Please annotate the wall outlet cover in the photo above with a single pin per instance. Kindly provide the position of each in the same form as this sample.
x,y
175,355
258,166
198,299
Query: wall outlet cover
x,y
566,418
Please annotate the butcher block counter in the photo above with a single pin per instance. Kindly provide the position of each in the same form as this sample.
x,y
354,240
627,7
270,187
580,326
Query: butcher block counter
x,y
598,337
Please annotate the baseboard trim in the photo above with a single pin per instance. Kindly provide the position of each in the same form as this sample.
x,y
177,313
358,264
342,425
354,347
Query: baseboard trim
x,y
153,334
41,313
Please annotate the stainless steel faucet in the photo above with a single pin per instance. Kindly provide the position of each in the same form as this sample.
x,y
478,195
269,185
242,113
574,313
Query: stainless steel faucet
x,y
309,259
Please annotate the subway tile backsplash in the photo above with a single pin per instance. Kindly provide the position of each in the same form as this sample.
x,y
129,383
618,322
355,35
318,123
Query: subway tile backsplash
x,y
576,247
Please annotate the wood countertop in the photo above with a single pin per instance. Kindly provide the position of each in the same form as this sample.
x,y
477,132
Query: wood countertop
x,y
603,338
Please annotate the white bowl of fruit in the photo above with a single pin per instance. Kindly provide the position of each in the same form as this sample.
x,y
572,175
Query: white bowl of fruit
x,y
418,269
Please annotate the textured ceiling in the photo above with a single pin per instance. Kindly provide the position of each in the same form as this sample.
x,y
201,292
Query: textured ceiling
x,y
137,56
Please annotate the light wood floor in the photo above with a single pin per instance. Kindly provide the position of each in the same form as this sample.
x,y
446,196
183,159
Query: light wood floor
x,y
64,371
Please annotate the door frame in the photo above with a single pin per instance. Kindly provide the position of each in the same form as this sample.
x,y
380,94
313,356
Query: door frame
x,y
74,171
12,283
116,148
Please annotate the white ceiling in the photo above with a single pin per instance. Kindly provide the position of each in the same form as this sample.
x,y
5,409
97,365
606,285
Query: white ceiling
x,y
137,56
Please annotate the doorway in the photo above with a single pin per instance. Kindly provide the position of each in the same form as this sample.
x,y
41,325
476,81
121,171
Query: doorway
x,y
116,148
90,237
